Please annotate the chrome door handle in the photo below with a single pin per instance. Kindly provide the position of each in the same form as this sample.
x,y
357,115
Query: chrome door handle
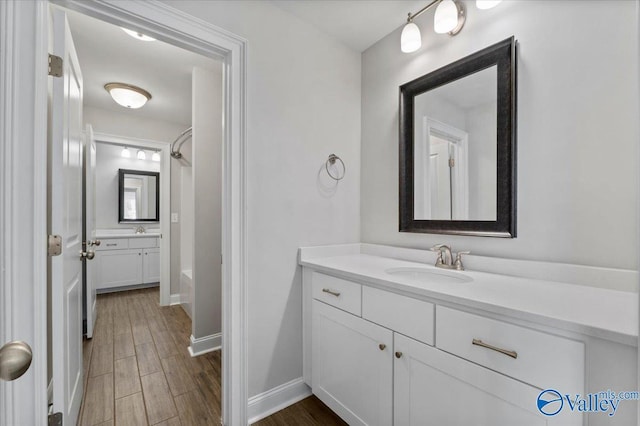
x,y
94,243
15,359
334,293
478,342
87,255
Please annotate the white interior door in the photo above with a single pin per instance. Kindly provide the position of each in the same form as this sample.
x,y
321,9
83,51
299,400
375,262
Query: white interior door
x,y
66,221
90,226
440,179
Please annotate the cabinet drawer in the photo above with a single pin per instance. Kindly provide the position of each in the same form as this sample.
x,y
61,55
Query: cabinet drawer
x,y
337,292
408,316
543,360
112,244
143,242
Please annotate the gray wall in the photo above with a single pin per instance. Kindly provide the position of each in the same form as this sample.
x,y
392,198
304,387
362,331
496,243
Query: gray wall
x,y
122,124
206,147
577,129
303,103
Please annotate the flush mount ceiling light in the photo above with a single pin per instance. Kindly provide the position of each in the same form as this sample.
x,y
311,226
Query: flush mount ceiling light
x,y
142,155
127,95
487,4
137,35
125,153
155,156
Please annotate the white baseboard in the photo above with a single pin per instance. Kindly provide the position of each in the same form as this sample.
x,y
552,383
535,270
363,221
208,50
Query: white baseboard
x,y
205,344
175,299
273,400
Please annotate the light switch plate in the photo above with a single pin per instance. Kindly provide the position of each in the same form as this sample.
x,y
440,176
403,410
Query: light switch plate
x,y
174,217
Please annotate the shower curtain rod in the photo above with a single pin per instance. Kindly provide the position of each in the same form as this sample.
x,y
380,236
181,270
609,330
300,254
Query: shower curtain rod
x,y
182,138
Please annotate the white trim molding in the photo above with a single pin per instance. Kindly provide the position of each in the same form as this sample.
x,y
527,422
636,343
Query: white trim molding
x,y
23,203
203,345
175,299
170,25
276,399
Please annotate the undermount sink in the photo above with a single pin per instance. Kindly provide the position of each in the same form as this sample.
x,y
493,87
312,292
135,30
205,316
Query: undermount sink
x,y
429,275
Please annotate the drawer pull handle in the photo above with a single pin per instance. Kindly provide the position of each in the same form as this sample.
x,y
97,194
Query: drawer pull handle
x,y
398,355
478,342
382,346
334,293
109,245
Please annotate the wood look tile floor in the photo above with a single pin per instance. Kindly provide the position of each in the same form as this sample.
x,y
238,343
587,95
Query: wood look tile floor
x,y
137,370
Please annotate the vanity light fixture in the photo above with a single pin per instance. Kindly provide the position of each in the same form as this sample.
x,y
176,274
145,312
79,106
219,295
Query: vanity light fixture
x,y
125,153
137,35
155,156
449,18
142,155
127,95
487,4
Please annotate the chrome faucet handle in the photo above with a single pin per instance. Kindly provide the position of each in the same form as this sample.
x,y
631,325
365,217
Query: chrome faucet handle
x,y
458,263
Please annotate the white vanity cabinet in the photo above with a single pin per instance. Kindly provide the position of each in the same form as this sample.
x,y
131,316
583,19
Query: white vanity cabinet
x,y
124,262
382,358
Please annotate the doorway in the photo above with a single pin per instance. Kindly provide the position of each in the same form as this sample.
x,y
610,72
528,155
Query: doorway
x,y
29,22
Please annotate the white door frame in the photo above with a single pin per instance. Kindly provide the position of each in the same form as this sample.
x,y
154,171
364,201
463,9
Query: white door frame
x,y
23,182
23,204
165,202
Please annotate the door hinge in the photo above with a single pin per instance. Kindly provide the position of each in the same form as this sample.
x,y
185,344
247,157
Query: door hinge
x,y
54,245
55,65
452,162
55,419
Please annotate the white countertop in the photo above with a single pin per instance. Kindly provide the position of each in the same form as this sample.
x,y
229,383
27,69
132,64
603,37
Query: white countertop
x,y
599,312
126,233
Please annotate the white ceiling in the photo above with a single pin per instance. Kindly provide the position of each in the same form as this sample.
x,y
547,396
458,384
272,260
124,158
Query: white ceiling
x,y
108,54
356,23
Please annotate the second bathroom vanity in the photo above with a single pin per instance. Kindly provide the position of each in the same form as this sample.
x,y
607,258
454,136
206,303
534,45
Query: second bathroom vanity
x,y
126,259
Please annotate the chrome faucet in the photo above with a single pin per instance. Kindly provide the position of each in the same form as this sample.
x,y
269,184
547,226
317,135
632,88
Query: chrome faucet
x,y
447,261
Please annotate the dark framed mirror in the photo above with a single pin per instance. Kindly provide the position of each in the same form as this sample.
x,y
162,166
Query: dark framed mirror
x,y
138,196
458,147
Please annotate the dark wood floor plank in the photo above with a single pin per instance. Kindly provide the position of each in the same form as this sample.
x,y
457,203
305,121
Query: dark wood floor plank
x,y
178,377
126,376
101,359
148,360
123,345
157,398
130,411
98,400
194,411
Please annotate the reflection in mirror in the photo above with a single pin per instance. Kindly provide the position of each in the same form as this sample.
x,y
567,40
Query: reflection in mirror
x,y
455,149
139,196
458,147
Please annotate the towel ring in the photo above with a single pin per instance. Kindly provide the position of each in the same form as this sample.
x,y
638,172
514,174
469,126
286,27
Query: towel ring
x,y
331,161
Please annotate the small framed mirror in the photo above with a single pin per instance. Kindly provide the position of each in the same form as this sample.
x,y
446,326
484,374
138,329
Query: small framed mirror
x,y
138,196
458,147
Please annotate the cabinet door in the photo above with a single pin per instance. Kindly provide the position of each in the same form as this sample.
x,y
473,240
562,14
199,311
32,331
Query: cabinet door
x,y
432,387
150,265
116,268
352,368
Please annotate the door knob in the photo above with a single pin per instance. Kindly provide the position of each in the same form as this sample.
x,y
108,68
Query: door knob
x,y
87,254
398,355
382,346
94,243
15,359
